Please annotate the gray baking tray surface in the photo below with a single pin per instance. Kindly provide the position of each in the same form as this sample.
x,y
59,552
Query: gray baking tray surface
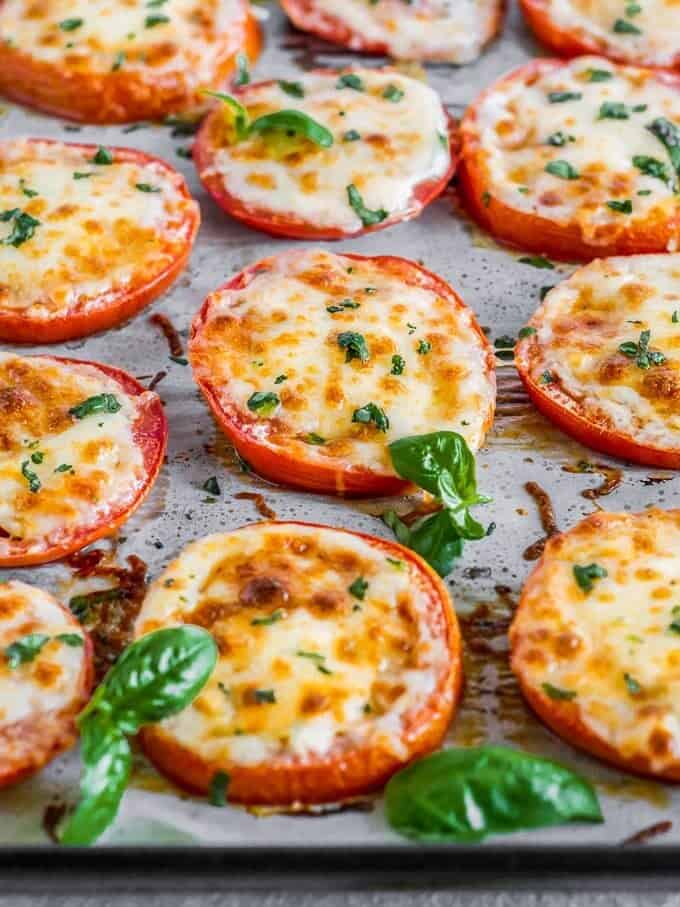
x,y
186,832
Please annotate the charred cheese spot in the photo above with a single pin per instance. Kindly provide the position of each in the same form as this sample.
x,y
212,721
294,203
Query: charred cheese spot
x,y
315,672
399,148
91,35
581,326
52,679
241,350
98,235
614,648
522,132
655,41
38,436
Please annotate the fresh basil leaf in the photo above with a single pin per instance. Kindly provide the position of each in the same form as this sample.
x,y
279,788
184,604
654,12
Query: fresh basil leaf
x,y
467,794
368,217
562,169
613,110
650,166
293,121
358,588
241,116
372,413
34,483
622,27
263,402
586,575
355,346
424,459
435,538
23,227
100,403
669,136
155,677
24,650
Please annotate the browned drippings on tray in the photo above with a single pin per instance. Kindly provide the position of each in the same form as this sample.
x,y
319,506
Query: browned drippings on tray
x,y
321,811
611,475
546,511
170,333
156,380
646,834
51,819
260,504
628,787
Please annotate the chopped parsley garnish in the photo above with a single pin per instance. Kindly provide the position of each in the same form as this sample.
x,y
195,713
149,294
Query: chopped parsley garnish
x,y
100,403
351,136
219,785
70,639
317,658
29,193
372,413
350,80
669,136
559,97
613,110
265,696
156,19
64,467
623,207
25,649
70,24
398,365
632,9
632,685
118,61
263,402
294,89
354,345
242,73
562,169
623,27
546,377
598,75
267,621
81,175
559,138
37,457
644,357
558,693
537,261
650,166
366,215
340,307
585,576
358,588
147,187
392,93
675,317
34,483
280,379
313,438
424,347
103,156
23,226
212,486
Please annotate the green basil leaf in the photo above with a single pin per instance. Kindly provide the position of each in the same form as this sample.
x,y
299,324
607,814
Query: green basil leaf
x,y
294,121
25,649
101,403
108,760
355,346
562,169
370,412
424,459
23,227
467,794
669,136
157,676
263,402
585,575
435,538
613,110
241,116
650,166
368,217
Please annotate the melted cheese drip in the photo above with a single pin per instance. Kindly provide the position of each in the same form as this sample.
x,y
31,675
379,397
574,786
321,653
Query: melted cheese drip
x,y
401,145
382,656
516,119
50,681
97,235
453,31
108,470
581,325
586,643
190,40
658,22
280,325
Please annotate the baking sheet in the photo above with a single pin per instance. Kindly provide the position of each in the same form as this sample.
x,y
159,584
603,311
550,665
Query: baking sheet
x,y
521,448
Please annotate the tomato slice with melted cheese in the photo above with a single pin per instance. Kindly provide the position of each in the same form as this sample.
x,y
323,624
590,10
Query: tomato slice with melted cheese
x,y
427,30
339,662
88,236
115,61
313,362
577,159
647,34
601,358
595,642
45,679
81,445
391,154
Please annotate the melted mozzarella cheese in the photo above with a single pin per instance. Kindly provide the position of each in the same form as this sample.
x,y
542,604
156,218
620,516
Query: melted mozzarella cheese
x,y
50,680
279,325
518,126
401,144
305,665
587,644
656,41
38,436
98,234
582,324
453,31
107,36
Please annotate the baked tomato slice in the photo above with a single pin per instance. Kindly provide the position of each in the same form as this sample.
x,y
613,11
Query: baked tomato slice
x,y
335,154
600,358
575,159
313,363
45,679
427,30
113,61
340,661
594,641
91,235
644,34
82,444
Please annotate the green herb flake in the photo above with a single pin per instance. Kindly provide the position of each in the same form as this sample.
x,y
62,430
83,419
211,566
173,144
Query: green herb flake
x,y
265,696
70,24
560,97
559,139
29,193
424,347
34,483
398,365
70,639
367,216
393,94
623,27
24,650
212,486
526,332
557,693
219,786
280,379
100,403
644,357
270,619
546,378
64,467
632,684
294,89
625,206
81,605
537,261
23,227
351,136
156,19
103,156
242,76
118,61
82,175
653,167
613,110
585,576
263,403
358,588
598,75
371,413
354,345
562,169
313,438
147,187
350,80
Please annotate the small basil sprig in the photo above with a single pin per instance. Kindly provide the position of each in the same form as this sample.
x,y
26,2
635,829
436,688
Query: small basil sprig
x,y
442,464
466,794
157,676
294,121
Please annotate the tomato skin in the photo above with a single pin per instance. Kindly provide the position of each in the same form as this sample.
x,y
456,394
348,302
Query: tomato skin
x,y
285,467
339,776
28,745
151,434
114,97
291,226
530,232
113,308
566,413
567,42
